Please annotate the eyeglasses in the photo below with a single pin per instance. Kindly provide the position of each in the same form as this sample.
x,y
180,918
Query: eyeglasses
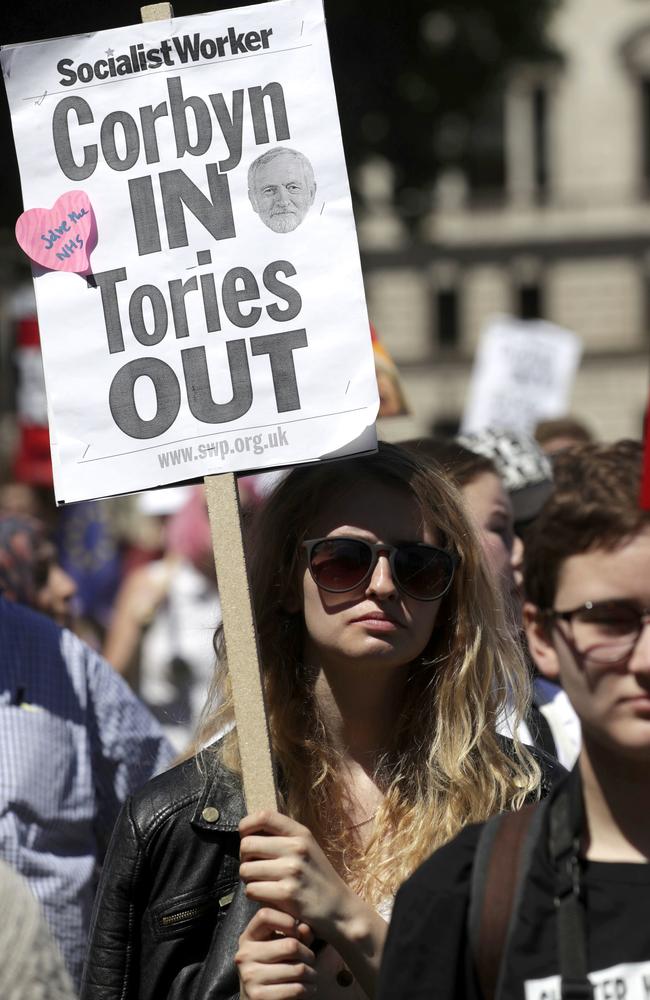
x,y
604,632
340,564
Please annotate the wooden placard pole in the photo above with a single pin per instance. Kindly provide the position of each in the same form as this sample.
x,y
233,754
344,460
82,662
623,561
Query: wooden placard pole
x,y
236,607
241,642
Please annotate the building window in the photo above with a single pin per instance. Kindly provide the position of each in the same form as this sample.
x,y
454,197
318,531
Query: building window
x,y
530,302
645,132
447,317
485,162
529,110
635,50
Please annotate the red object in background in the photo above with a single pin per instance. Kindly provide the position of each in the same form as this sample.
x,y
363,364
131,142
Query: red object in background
x,y
645,477
32,462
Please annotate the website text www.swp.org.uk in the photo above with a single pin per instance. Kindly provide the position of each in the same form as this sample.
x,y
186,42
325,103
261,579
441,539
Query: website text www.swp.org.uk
x,y
256,444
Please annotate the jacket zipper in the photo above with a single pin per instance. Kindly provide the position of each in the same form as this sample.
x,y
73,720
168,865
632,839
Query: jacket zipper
x,y
195,911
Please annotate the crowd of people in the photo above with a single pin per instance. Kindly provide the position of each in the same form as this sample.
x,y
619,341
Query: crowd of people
x,y
456,666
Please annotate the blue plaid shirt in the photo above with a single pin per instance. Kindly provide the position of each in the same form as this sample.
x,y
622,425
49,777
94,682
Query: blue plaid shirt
x,y
74,742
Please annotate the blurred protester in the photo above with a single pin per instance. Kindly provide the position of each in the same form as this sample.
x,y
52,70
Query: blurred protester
x,y
74,742
20,498
32,501
489,505
31,967
491,510
160,636
552,901
90,552
385,665
30,572
528,478
554,436
525,470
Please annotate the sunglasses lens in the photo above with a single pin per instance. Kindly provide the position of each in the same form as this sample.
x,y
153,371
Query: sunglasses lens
x,y
340,564
423,571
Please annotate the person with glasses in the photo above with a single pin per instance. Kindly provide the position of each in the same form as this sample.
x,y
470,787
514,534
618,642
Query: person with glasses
x,y
566,883
386,663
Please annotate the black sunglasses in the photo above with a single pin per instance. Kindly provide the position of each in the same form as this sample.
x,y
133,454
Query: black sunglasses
x,y
340,564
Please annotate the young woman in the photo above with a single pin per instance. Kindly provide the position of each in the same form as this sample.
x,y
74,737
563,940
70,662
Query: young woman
x,y
551,722
386,664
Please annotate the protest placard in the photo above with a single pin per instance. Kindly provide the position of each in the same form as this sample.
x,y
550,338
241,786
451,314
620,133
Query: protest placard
x,y
196,267
523,373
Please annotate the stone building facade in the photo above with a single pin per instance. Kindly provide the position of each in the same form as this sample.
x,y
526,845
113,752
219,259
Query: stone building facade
x,y
564,237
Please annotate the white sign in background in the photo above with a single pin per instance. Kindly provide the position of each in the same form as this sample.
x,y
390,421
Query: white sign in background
x,y
210,342
523,373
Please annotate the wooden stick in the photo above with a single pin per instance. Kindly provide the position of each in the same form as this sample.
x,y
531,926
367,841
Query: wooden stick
x,y
241,642
157,12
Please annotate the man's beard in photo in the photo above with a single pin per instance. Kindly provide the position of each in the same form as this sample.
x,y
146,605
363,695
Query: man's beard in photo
x,y
284,222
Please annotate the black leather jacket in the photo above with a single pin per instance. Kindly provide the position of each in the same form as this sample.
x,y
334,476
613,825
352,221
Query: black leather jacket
x,y
170,907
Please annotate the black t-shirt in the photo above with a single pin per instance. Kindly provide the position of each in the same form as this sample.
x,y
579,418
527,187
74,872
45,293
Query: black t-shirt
x,y
428,952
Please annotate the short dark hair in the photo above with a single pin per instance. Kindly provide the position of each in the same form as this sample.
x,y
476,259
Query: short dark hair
x,y
595,506
566,427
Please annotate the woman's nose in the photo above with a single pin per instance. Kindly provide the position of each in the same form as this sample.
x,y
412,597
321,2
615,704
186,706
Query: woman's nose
x,y
381,580
517,555
517,566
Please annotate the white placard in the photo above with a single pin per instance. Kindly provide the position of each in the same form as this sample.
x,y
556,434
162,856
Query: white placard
x,y
225,330
523,373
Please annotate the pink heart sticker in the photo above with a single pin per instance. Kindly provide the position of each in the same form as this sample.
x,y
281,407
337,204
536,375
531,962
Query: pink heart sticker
x,y
60,238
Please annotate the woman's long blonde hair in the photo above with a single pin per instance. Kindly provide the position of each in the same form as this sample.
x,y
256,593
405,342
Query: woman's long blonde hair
x,y
443,765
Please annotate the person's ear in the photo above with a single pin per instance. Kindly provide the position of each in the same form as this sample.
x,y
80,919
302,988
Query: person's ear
x,y
540,642
313,193
253,200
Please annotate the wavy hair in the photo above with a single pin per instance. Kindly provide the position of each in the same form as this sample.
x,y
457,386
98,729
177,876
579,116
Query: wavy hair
x,y
595,505
443,766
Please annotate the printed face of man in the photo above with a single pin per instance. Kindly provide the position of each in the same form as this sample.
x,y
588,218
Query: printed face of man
x,y
281,193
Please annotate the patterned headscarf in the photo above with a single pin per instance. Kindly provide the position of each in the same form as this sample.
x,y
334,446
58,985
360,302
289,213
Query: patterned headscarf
x,y
22,541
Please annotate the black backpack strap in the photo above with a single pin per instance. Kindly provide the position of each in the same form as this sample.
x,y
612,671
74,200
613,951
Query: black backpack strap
x,y
501,863
565,826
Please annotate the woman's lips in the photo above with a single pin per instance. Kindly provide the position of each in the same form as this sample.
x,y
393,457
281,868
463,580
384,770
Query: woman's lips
x,y
377,621
640,700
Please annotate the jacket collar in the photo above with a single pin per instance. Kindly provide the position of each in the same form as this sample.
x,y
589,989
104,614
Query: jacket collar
x,y
221,805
